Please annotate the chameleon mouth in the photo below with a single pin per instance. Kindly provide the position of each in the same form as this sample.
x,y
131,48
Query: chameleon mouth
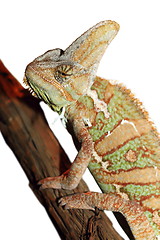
x,y
37,91
29,88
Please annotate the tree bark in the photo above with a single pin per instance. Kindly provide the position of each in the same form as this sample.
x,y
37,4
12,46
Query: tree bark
x,y
26,132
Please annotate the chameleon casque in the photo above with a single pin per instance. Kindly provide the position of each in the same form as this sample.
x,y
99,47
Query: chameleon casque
x,y
119,144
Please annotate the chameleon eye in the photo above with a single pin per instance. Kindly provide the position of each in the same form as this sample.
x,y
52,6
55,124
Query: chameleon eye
x,y
63,72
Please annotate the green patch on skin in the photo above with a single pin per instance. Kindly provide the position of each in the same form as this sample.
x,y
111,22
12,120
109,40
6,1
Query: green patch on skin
x,y
149,215
137,191
87,102
107,188
94,165
118,160
98,130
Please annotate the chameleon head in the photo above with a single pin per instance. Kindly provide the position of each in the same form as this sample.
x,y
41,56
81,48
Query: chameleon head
x,y
61,77
50,77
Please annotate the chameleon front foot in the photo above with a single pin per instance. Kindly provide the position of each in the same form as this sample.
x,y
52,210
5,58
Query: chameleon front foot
x,y
51,182
64,181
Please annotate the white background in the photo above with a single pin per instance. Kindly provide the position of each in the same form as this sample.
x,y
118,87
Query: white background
x,y
28,29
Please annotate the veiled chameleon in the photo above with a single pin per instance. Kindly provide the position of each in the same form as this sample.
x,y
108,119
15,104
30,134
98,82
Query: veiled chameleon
x,y
118,142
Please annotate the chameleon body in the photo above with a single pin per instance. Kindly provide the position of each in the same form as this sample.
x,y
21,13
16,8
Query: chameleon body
x,y
119,144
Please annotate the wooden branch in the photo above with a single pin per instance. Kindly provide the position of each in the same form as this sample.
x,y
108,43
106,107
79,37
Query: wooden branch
x,y
26,131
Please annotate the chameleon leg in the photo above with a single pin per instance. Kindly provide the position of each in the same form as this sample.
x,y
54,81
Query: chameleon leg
x,y
133,212
71,178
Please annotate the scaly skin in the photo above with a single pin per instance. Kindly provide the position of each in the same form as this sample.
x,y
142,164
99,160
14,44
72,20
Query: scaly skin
x,y
118,142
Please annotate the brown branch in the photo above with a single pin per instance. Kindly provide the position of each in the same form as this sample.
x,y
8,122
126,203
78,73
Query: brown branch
x,y
26,131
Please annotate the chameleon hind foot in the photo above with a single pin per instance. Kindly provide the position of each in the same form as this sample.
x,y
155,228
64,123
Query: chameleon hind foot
x,y
113,202
76,201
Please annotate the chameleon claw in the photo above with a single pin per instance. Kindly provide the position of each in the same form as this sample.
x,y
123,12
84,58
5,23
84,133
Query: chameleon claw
x,y
60,202
63,203
66,203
